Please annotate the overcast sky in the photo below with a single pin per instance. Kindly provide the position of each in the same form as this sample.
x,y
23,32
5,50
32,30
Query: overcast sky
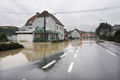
x,y
84,21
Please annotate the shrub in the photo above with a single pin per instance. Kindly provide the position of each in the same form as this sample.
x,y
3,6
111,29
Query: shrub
x,y
3,37
117,36
10,46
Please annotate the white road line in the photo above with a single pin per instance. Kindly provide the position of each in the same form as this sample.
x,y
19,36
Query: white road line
x,y
75,55
63,55
70,67
49,64
77,50
23,79
111,52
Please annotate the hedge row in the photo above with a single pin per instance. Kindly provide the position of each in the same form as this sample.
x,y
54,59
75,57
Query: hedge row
x,y
117,36
10,46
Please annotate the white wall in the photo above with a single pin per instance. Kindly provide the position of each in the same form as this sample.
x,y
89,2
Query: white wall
x,y
50,23
25,37
60,29
12,38
75,34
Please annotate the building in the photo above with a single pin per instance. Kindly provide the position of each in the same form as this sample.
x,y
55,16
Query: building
x,y
75,34
33,30
116,27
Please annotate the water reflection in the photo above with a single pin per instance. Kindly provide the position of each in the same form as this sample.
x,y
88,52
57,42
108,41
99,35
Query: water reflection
x,y
39,50
33,52
76,43
12,61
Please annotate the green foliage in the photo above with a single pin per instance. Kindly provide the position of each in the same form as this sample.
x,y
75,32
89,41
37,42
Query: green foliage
x,y
103,26
8,31
3,38
117,36
10,46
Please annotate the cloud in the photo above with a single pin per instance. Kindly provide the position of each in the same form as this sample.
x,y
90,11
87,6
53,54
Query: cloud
x,y
82,21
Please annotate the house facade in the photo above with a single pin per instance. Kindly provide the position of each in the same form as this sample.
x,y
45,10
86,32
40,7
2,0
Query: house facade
x,y
34,28
75,34
116,27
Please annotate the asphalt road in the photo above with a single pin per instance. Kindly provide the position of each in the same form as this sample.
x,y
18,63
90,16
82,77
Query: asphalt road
x,y
89,61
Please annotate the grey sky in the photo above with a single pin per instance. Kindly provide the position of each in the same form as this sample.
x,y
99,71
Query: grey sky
x,y
83,21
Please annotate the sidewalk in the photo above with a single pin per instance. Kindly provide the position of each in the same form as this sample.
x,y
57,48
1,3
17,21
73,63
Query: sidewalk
x,y
111,46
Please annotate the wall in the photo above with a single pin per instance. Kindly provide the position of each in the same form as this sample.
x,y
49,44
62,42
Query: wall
x,y
75,34
25,37
39,22
60,29
50,25
12,38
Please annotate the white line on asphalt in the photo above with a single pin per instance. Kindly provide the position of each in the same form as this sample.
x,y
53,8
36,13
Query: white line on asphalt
x,y
77,50
70,67
23,79
49,64
111,52
75,55
63,55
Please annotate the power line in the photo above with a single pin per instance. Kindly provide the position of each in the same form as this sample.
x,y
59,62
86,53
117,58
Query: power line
x,y
92,10
70,12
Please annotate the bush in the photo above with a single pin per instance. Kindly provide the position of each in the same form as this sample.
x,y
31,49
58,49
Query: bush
x,y
3,38
10,46
117,36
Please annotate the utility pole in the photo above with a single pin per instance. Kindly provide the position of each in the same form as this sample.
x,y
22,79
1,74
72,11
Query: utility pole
x,y
44,34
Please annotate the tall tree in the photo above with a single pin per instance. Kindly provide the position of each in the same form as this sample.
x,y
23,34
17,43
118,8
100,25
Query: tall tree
x,y
103,26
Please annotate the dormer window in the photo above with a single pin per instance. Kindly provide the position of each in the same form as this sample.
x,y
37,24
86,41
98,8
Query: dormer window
x,y
30,22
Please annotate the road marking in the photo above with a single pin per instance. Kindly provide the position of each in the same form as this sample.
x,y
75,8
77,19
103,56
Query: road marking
x,y
77,50
49,64
23,79
70,67
75,55
63,55
111,52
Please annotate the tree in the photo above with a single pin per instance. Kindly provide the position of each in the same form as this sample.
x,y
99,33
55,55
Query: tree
x,y
117,36
104,26
3,37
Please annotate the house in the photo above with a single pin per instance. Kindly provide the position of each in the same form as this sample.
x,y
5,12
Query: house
x,y
116,27
34,29
74,34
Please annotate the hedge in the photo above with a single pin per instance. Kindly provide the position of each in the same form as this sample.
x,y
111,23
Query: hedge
x,y
10,46
117,36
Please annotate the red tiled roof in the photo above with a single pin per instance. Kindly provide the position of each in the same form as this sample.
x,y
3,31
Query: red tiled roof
x,y
44,13
29,21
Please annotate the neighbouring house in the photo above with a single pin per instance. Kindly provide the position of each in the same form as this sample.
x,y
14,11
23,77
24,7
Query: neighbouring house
x,y
33,30
74,34
116,27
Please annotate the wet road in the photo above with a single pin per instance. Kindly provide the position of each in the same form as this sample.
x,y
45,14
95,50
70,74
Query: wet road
x,y
89,61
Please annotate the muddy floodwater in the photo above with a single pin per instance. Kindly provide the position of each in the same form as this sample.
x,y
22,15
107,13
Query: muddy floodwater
x,y
32,52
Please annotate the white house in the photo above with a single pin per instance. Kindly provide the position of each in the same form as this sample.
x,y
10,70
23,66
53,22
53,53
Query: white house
x,y
75,34
34,28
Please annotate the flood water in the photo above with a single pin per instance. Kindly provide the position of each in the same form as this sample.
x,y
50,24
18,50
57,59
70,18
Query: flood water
x,y
32,52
